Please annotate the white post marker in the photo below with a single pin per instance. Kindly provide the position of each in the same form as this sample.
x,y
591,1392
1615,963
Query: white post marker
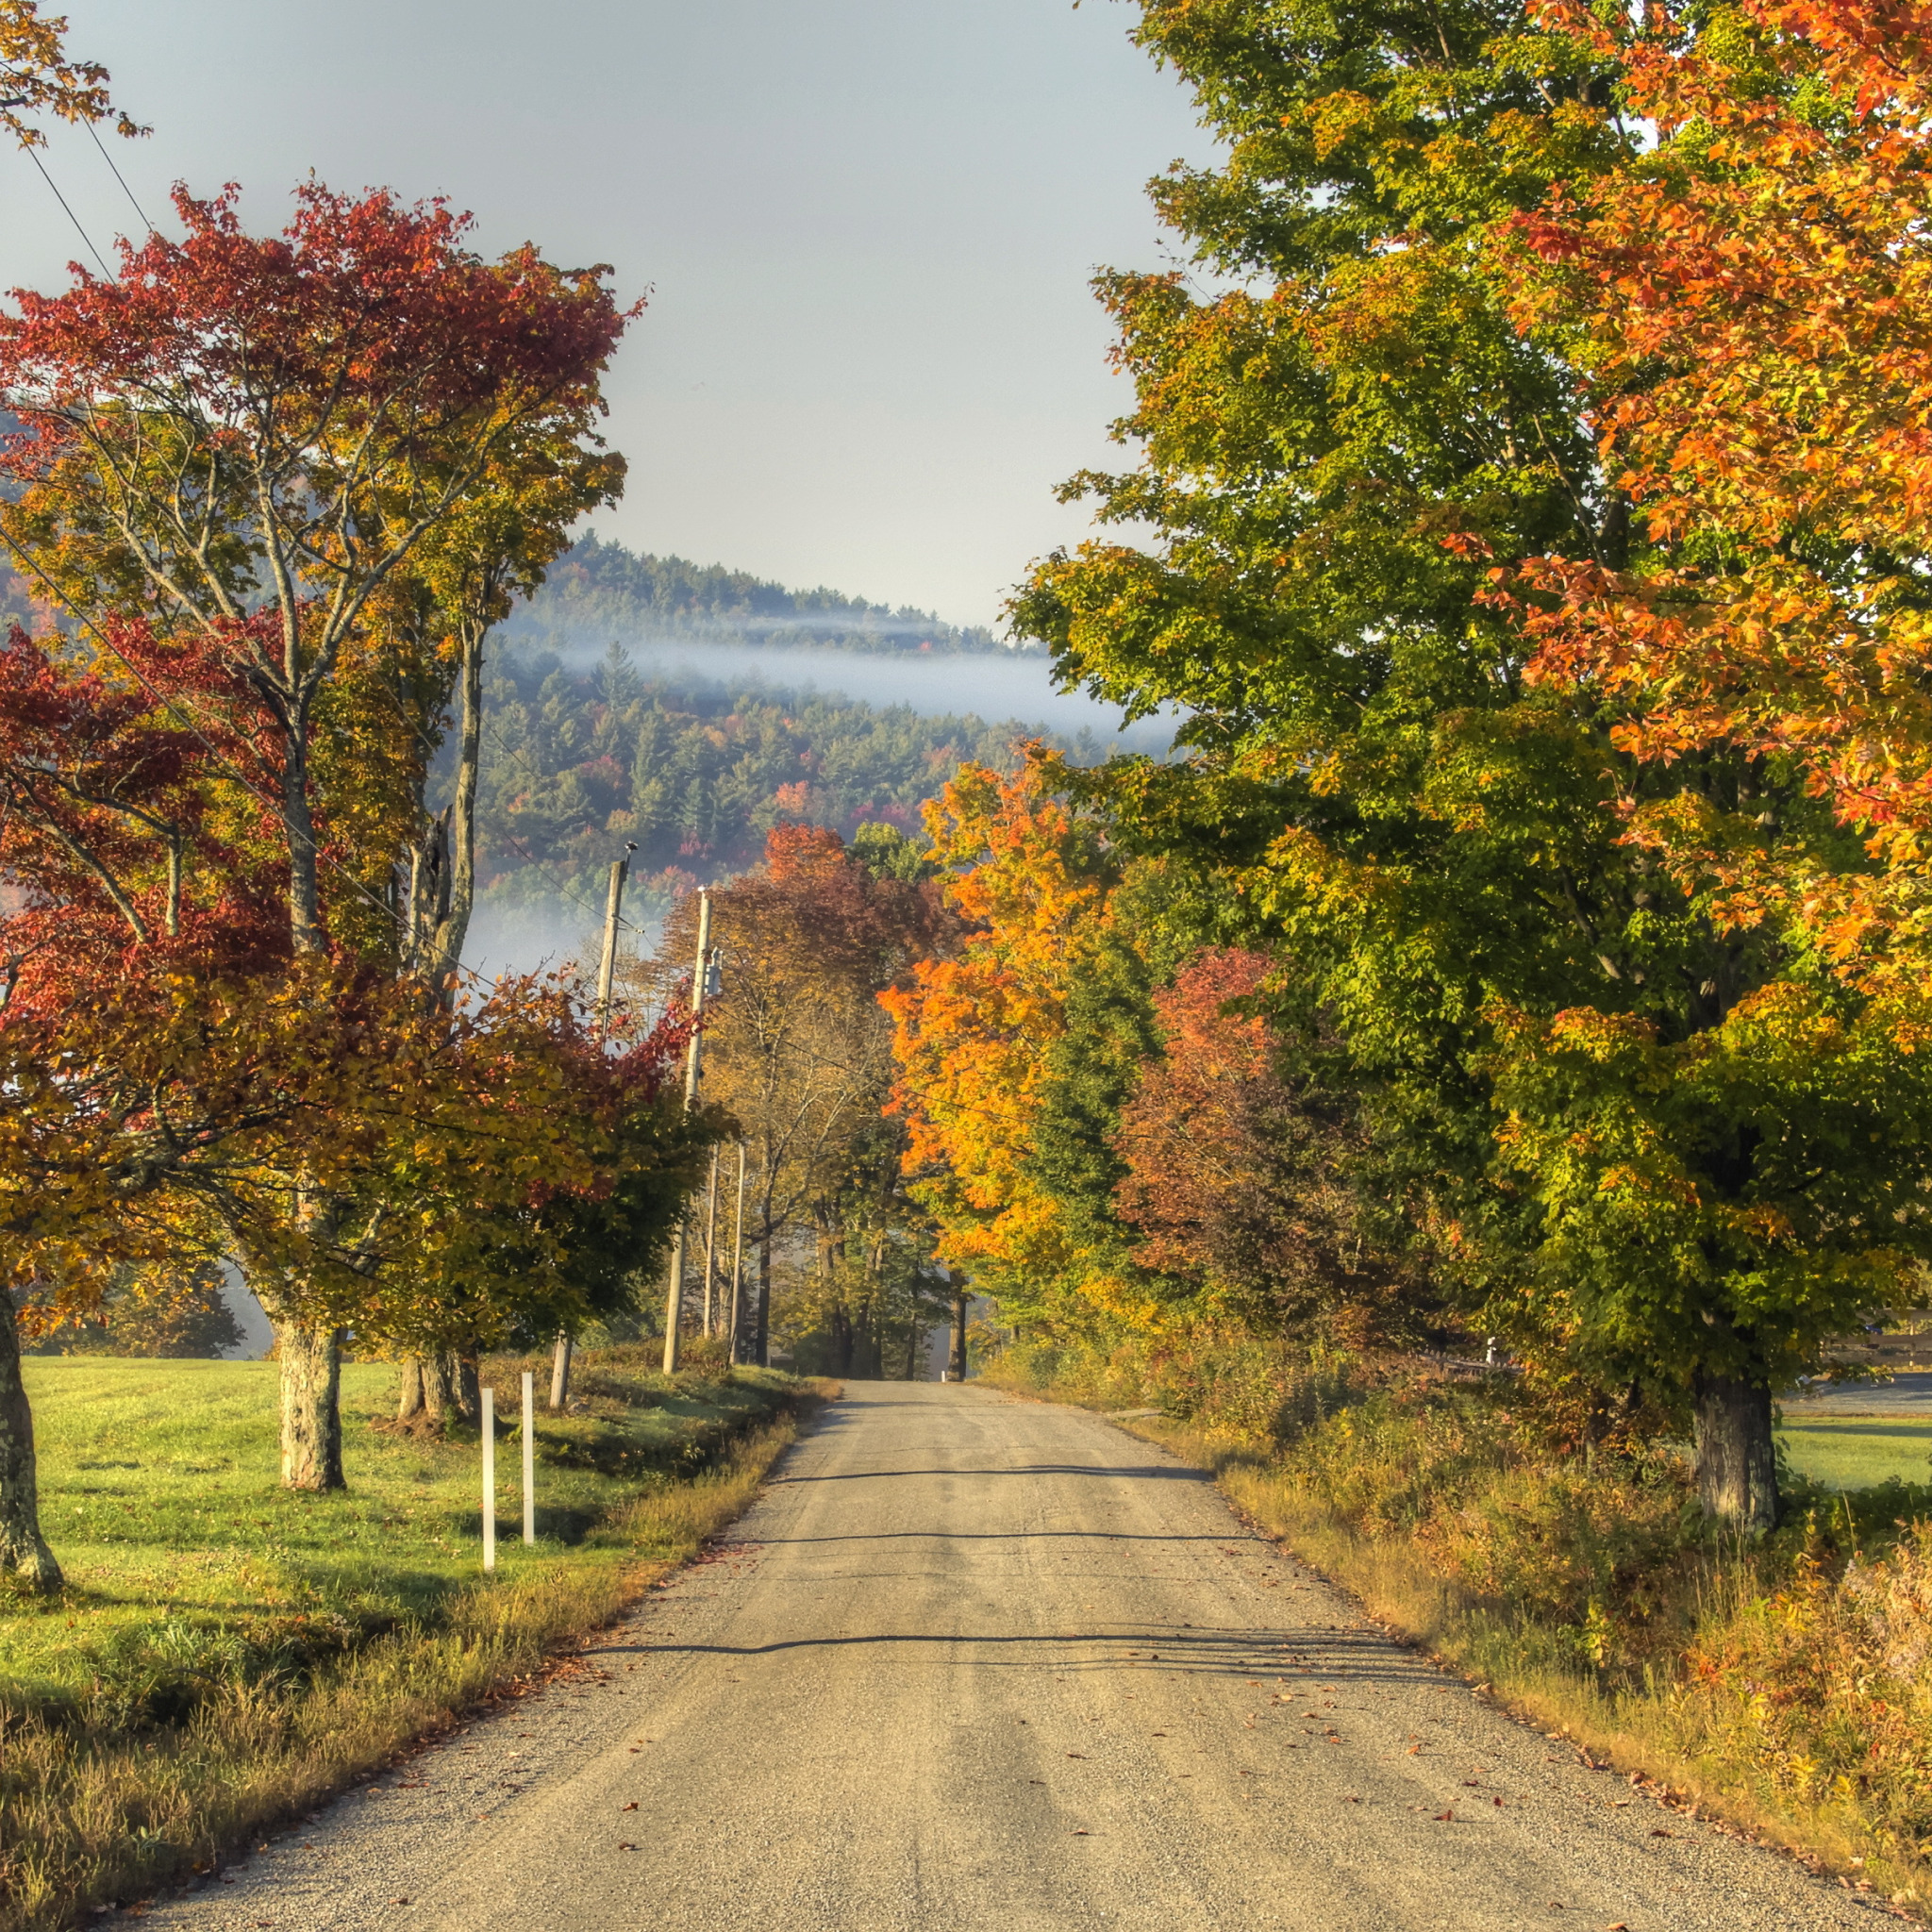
x,y
529,1456
489,1481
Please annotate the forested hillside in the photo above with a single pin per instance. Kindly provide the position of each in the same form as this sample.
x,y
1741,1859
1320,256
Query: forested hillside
x,y
599,590
576,766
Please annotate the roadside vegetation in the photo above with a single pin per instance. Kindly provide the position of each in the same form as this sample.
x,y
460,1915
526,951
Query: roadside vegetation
x,y
225,1653
1782,1682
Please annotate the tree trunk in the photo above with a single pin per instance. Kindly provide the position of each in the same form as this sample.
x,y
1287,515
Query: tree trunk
x,y
312,1364
955,1366
23,1552
468,1386
842,1342
439,1390
1737,1462
452,922
761,1325
912,1347
411,1405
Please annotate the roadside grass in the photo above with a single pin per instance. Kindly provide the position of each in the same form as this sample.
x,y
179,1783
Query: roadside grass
x,y
226,1655
1784,1687
1859,1452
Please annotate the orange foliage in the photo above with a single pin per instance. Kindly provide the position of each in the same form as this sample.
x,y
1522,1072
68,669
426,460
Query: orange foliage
x,y
972,1029
1755,298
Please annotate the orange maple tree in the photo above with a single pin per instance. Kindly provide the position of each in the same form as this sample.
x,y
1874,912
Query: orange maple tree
x,y
1752,307
1029,877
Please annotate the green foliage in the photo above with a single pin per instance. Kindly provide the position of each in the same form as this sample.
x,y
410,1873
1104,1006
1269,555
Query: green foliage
x,y
181,1314
1340,438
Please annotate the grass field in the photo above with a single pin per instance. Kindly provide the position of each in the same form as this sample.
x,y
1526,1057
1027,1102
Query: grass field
x,y
1859,1452
226,1653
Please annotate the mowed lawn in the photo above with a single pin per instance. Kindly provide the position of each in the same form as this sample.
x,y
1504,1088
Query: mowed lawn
x,y
187,1561
1859,1452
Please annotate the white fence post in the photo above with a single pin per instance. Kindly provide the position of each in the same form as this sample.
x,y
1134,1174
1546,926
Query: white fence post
x,y
489,1481
529,1458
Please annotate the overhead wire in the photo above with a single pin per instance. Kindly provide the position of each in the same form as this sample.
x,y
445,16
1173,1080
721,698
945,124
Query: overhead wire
x,y
120,178
35,158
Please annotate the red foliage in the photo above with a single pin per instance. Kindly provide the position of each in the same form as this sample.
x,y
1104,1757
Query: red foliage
x,y
1234,1171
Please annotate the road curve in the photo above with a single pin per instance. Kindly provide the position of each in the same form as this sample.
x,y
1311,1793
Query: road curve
x,y
976,1663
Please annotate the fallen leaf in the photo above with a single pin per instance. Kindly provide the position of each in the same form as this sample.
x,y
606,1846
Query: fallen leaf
x,y
1076,1754
625,1845
1658,1831
1445,1818
1081,1833
632,1806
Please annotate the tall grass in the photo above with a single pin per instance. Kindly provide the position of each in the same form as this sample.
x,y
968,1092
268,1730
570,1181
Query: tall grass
x,y
95,1808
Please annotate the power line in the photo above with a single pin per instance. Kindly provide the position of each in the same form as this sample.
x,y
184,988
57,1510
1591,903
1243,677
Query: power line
x,y
35,158
120,178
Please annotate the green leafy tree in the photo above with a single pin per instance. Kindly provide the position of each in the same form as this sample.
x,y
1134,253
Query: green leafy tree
x,y
1338,440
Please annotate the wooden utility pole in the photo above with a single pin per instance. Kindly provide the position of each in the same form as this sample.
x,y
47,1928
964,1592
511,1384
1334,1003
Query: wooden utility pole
x,y
693,1059
737,1258
955,1368
606,968
710,1242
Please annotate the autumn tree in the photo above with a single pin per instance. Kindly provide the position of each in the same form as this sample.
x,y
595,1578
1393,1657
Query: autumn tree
x,y
1239,1167
245,445
1338,443
799,1053
1747,304
38,80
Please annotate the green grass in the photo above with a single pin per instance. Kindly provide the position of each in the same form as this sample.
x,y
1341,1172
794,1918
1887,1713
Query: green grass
x,y
1859,1452
225,1653
187,1561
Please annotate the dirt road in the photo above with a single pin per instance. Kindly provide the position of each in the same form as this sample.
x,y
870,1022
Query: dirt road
x,y
974,1663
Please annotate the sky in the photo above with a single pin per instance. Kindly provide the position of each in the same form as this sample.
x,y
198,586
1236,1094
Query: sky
x,y
866,229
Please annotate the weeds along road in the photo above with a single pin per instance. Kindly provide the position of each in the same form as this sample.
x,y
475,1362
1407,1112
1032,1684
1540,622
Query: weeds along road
x,y
972,1663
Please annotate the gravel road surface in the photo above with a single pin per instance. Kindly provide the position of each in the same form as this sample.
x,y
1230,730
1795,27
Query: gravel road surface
x,y
976,1663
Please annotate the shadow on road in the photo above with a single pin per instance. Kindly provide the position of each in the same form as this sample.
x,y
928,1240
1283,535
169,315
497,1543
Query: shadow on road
x,y
1358,1655
1130,1471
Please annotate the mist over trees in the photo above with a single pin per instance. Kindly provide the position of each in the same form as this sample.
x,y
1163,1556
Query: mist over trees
x,y
599,590
579,765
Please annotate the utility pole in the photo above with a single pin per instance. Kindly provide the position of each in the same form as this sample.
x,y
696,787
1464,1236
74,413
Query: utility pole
x,y
606,968
737,1256
674,1300
955,1368
710,1241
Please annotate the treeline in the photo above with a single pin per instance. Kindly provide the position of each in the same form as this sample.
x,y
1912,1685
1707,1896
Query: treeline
x,y
579,766
1528,938
599,590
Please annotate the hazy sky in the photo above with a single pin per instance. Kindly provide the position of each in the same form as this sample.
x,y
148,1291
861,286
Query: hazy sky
x,y
867,226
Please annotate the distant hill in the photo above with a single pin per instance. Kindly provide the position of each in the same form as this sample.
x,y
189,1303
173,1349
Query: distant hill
x,y
600,593
579,763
